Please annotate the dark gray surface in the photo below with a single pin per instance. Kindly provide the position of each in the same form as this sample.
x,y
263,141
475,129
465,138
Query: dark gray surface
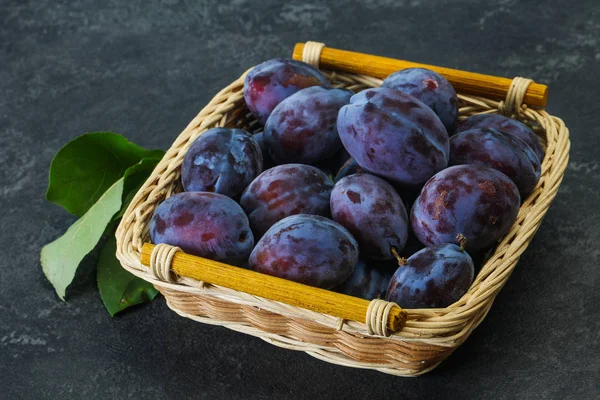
x,y
144,69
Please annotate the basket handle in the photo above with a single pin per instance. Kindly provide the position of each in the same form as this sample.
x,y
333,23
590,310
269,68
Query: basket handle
x,y
493,87
380,316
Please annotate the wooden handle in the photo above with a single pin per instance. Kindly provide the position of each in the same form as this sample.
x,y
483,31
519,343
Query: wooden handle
x,y
492,87
272,288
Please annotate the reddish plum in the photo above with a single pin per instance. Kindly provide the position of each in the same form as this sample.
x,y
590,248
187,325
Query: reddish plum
x,y
267,84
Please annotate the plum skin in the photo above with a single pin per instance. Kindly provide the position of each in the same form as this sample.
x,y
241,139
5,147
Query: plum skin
x,y
499,150
308,249
434,277
504,124
204,224
267,84
393,135
221,160
302,128
373,212
286,190
476,201
369,280
431,88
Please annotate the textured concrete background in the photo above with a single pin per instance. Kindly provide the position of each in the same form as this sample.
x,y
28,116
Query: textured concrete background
x,y
145,68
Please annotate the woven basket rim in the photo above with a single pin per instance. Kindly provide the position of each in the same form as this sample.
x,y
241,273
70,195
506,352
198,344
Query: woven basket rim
x,y
443,328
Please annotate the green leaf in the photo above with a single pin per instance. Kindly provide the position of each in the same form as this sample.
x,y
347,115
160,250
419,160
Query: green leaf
x,y
134,178
88,165
61,258
120,289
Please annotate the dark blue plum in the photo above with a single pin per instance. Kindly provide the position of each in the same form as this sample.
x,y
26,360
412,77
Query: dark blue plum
x,y
373,212
393,135
431,88
302,128
260,139
332,164
205,224
283,191
499,150
476,201
408,193
221,160
308,249
267,84
350,167
412,245
505,124
369,280
434,277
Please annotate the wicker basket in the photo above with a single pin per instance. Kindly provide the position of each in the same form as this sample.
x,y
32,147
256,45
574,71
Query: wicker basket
x,y
428,335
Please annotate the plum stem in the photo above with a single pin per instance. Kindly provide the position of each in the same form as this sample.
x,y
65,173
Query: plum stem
x,y
401,260
462,241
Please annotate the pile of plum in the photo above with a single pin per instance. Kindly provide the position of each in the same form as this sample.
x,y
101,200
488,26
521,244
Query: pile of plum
x,y
379,193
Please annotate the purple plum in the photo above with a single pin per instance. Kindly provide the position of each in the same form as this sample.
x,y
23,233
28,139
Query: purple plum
x,y
221,160
393,135
431,88
260,139
205,224
499,150
505,124
267,84
369,280
475,201
308,249
434,277
302,128
283,191
373,213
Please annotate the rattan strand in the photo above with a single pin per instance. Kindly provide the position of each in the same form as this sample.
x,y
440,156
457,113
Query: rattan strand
x,y
428,336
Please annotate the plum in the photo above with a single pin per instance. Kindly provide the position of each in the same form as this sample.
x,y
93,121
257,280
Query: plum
x,y
369,280
373,212
332,164
308,249
205,224
431,88
475,201
283,191
434,277
260,139
221,160
499,150
267,84
393,135
412,245
350,167
505,124
302,128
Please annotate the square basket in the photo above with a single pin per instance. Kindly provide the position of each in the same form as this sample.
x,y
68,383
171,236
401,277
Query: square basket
x,y
422,338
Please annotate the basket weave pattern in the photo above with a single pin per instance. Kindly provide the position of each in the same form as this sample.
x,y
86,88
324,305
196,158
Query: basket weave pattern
x,y
428,336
